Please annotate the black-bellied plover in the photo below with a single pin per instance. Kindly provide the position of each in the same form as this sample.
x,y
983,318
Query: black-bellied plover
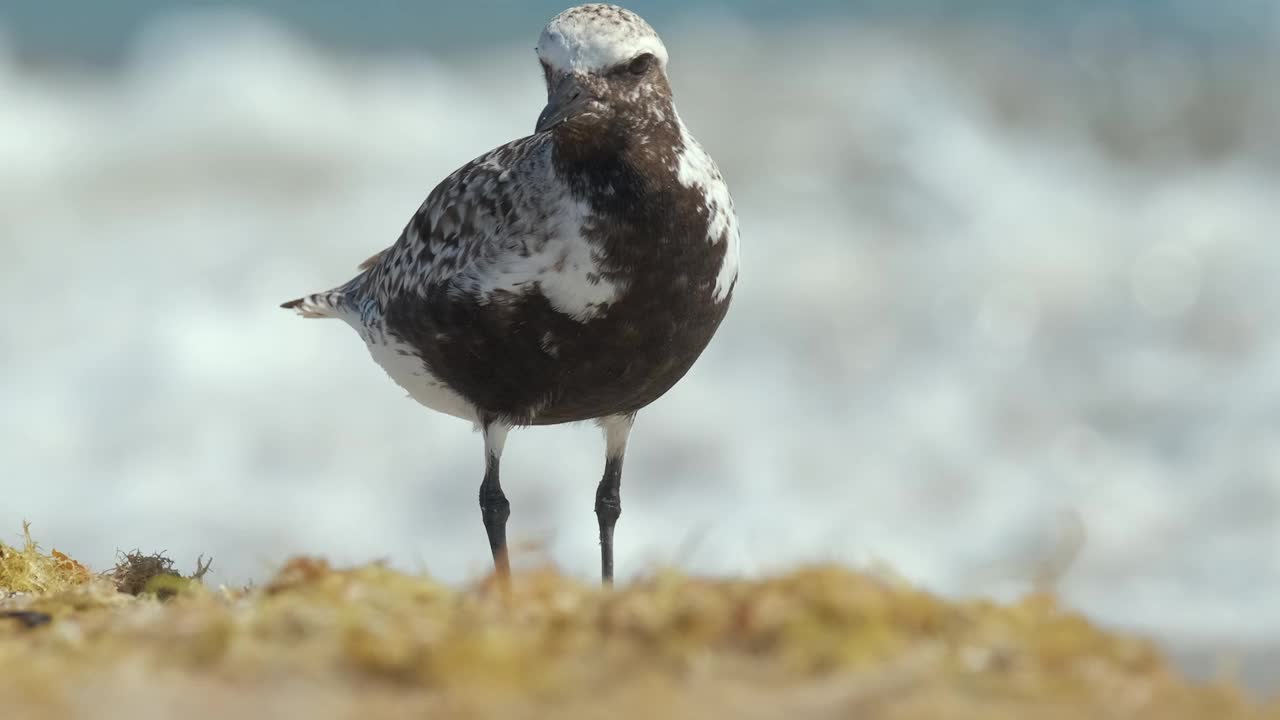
x,y
574,274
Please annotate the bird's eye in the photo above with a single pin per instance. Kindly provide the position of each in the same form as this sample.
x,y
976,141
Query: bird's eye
x,y
641,64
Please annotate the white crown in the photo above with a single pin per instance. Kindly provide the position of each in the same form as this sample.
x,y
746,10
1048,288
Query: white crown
x,y
595,37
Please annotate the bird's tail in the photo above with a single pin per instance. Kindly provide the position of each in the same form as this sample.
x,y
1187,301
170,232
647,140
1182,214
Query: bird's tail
x,y
320,305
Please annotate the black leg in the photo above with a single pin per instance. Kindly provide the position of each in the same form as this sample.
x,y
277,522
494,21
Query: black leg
x,y
608,508
494,507
608,495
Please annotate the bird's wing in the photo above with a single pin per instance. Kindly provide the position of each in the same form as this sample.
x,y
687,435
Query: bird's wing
x,y
468,215
499,228
465,239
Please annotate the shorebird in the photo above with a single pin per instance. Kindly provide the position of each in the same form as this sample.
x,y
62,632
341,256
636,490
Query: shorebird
x,y
571,275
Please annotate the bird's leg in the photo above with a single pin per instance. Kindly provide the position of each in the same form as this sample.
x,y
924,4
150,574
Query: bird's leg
x,y
494,508
608,500
608,508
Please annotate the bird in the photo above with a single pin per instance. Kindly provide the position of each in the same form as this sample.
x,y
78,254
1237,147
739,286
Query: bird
x,y
571,275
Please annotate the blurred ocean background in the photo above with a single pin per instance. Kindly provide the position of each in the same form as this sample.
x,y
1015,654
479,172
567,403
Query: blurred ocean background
x,y
1007,318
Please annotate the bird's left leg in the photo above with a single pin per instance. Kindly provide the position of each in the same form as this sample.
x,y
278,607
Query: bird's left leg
x,y
617,428
494,508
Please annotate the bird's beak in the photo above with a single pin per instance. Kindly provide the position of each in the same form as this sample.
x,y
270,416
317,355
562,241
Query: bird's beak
x,y
566,100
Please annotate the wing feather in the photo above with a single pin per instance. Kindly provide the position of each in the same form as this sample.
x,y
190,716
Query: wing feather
x,y
498,228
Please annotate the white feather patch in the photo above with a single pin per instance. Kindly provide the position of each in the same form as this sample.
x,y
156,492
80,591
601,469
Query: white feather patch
x,y
564,268
696,169
593,38
406,368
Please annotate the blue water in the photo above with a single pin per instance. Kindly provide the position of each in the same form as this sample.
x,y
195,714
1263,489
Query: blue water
x,y
101,32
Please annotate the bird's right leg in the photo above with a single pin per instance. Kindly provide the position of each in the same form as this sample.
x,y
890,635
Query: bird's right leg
x,y
494,508
608,503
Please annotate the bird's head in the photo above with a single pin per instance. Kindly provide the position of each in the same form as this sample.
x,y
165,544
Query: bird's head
x,y
605,68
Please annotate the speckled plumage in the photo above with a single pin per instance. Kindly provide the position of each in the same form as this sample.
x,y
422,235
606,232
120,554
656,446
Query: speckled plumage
x,y
574,274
